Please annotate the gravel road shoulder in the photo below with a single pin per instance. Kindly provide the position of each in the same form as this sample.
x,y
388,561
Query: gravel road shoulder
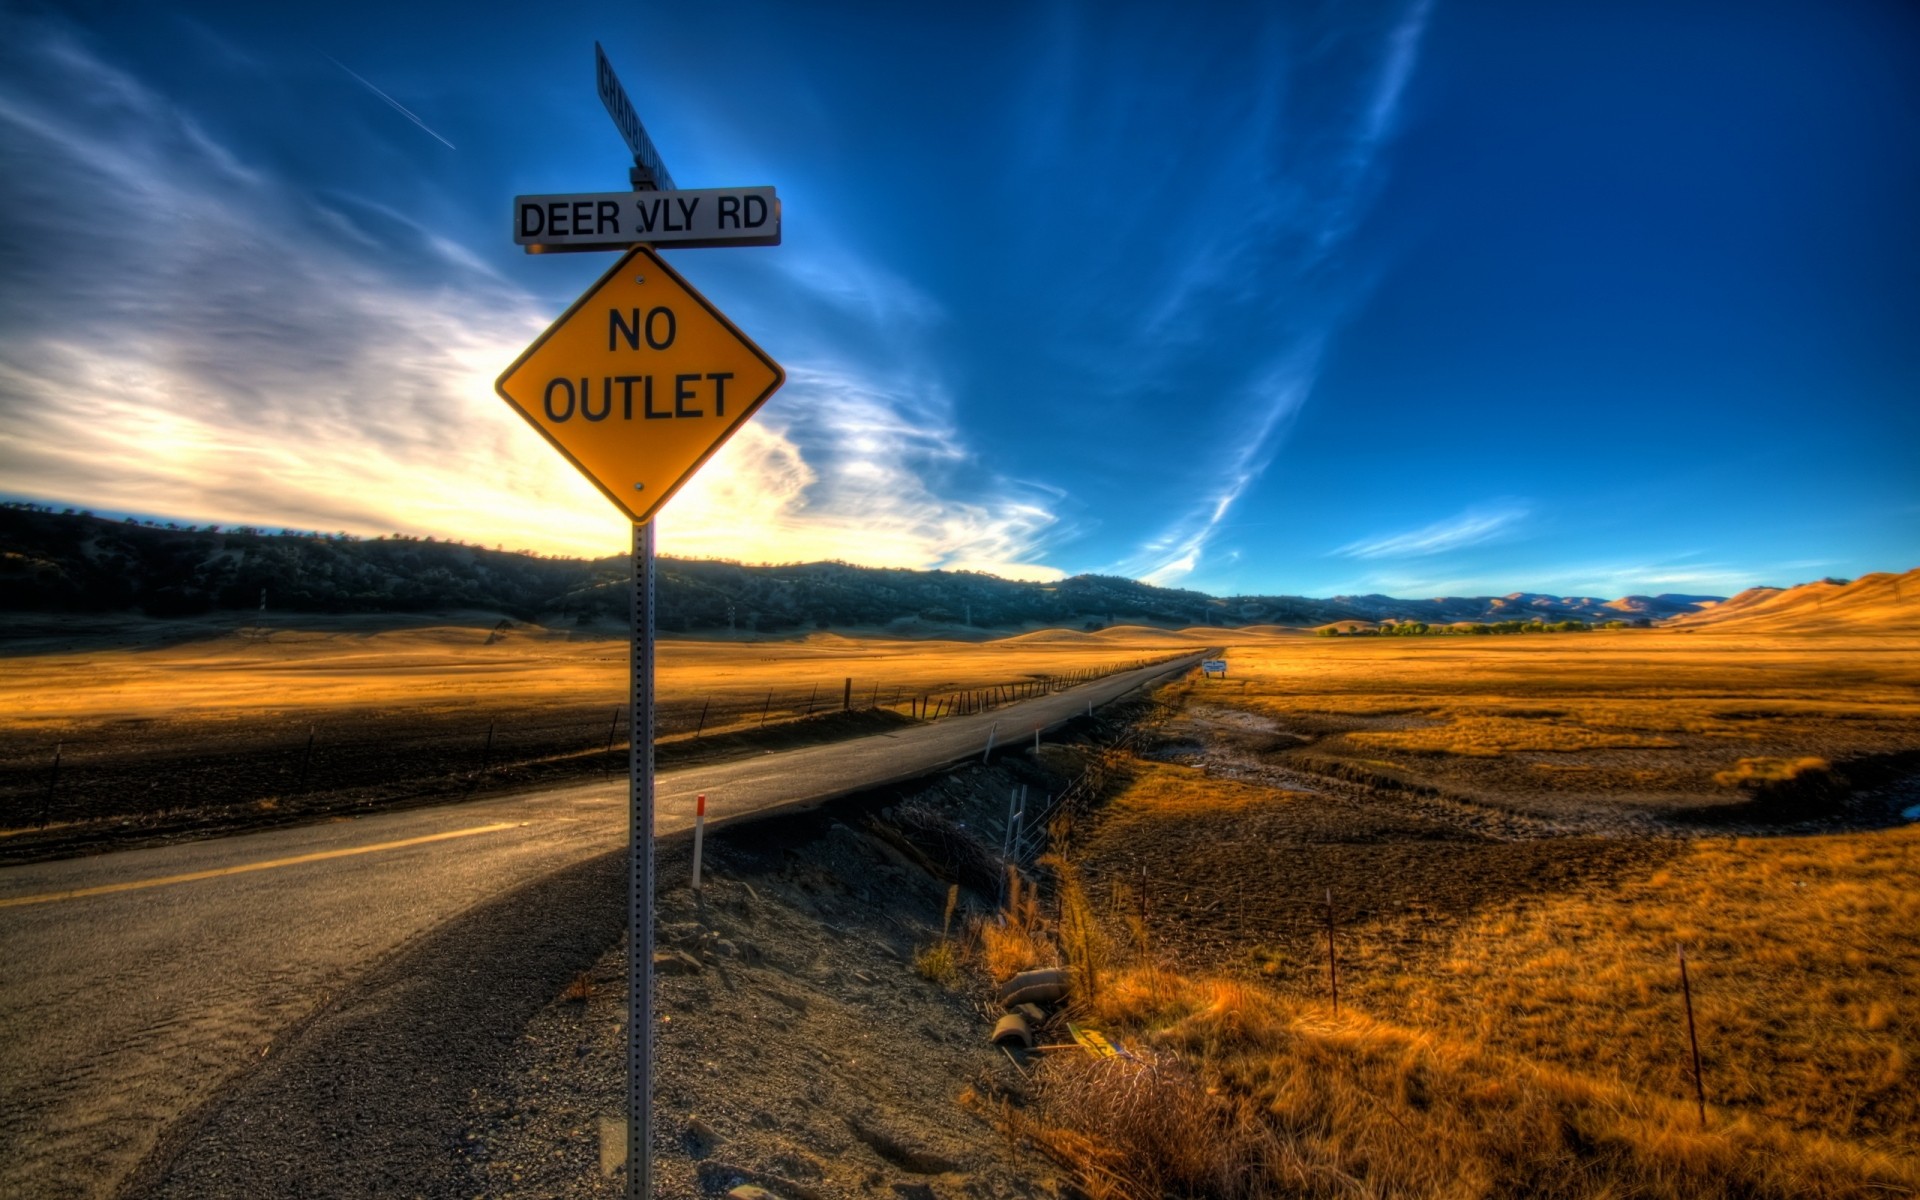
x,y
798,1048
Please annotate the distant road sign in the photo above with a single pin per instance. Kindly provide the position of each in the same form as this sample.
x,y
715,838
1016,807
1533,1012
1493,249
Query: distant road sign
x,y
748,216
640,382
628,121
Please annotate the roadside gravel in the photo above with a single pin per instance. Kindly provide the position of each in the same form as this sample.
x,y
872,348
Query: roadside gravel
x,y
798,1048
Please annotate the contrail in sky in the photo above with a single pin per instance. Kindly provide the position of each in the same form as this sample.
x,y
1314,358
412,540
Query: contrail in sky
x,y
398,107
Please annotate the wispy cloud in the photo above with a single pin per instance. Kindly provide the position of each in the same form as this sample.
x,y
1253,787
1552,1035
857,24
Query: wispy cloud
x,y
1470,528
858,467
206,340
1175,553
1317,191
1689,574
398,107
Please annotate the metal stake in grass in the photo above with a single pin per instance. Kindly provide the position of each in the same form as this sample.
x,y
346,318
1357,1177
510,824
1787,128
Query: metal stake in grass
x,y
613,727
703,718
1693,1040
1333,964
764,708
53,782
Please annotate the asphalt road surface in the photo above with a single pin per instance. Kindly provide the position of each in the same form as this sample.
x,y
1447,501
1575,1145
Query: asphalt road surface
x,y
144,986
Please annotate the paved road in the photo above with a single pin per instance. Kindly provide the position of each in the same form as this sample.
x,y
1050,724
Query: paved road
x,y
139,986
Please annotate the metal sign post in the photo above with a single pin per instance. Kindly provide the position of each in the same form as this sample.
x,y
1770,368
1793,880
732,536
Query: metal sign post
x,y
637,385
640,879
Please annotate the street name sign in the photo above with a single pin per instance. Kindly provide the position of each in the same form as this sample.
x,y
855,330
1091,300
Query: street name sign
x,y
627,121
745,216
640,382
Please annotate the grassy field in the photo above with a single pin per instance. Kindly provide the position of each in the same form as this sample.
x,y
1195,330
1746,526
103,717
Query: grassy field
x,y
1549,723
344,664
106,730
1507,837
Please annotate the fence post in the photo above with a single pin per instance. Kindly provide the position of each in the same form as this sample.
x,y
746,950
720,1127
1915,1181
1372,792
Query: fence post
x,y
1333,965
1693,1040
846,696
486,752
613,727
1006,841
764,708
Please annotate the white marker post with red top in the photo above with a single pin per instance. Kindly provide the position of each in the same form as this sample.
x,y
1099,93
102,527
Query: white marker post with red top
x,y
699,830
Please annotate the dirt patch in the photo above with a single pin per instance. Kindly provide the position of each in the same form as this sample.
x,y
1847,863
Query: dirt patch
x,y
1248,887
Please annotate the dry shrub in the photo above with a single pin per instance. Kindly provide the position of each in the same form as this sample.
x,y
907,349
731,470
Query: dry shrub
x,y
1145,1128
937,962
1240,1092
1014,941
1761,774
1166,789
1087,947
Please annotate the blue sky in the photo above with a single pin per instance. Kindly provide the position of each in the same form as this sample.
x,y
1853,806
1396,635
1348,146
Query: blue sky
x,y
1420,298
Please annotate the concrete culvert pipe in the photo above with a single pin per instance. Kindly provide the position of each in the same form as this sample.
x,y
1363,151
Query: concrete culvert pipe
x,y
1046,986
1013,1031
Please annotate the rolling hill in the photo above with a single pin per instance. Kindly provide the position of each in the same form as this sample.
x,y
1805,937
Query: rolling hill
x,y
1880,602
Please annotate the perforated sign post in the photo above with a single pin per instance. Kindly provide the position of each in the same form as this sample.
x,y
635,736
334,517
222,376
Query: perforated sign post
x,y
637,385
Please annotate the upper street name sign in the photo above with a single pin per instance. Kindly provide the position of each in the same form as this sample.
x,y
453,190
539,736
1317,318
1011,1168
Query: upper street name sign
x,y
640,382
627,121
744,216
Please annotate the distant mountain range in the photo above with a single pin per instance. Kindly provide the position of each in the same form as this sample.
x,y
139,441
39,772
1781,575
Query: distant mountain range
x,y
74,562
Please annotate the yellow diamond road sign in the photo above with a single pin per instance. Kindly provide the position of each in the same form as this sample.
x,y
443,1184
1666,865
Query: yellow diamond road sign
x,y
640,382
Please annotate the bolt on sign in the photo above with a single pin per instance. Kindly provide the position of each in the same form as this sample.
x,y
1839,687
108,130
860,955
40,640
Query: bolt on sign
x,y
640,382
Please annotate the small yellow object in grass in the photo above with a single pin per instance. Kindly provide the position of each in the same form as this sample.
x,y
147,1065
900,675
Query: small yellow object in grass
x,y
1094,1042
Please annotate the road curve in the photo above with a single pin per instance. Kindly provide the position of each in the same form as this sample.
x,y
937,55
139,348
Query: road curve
x,y
136,987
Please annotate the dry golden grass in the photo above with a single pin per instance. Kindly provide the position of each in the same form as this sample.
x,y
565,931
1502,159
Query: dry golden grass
x,y
1161,790
1015,939
1805,962
449,666
1665,714
1541,1052
1750,772
1878,602
1521,1032
1236,1092
1490,737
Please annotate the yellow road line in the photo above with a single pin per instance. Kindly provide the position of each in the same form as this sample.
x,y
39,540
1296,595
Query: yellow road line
x,y
164,880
